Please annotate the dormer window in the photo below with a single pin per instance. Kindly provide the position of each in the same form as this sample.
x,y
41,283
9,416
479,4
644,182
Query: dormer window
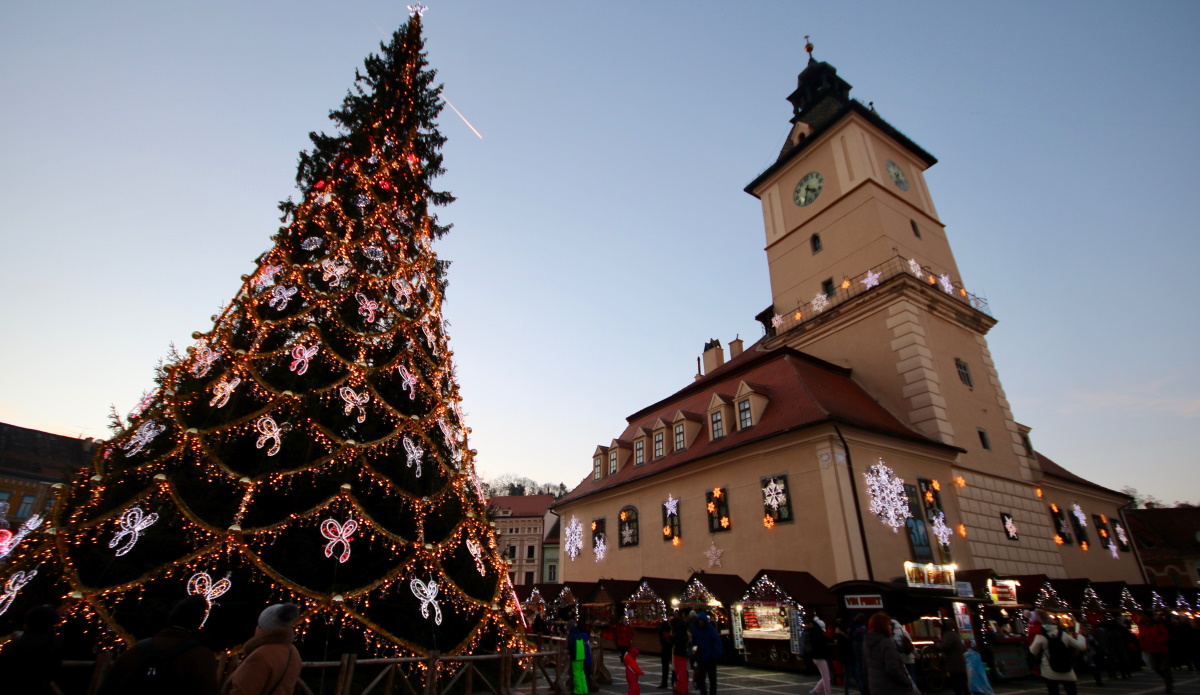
x,y
612,462
658,444
639,452
680,442
717,424
745,417
596,468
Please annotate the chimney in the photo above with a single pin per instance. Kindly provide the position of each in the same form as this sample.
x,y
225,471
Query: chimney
x,y
714,356
735,347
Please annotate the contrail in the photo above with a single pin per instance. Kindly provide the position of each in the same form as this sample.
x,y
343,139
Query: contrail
x,y
464,118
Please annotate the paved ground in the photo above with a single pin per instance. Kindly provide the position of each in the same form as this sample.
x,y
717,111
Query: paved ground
x,y
740,680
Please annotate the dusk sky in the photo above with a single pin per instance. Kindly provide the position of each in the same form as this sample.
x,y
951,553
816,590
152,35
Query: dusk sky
x,y
601,234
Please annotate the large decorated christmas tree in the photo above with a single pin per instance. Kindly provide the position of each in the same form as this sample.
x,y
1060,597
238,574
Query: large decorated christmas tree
x,y
310,446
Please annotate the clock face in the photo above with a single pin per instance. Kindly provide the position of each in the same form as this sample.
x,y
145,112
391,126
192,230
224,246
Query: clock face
x,y
897,175
809,188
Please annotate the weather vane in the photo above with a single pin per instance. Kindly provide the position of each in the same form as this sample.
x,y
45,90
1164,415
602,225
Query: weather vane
x,y
808,47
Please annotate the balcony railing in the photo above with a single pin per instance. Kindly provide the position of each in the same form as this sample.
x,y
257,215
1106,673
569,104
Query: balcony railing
x,y
871,280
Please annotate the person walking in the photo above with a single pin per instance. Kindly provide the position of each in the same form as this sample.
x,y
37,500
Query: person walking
x,y
679,652
623,636
908,652
1052,647
664,647
31,662
885,671
1155,643
270,661
708,652
580,653
820,651
955,652
858,633
172,661
632,671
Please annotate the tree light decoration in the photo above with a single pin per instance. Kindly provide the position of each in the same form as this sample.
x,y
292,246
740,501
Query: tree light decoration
x,y
574,538
366,307
941,530
600,547
133,522
1128,603
426,593
374,253
301,355
774,495
414,455
888,499
13,586
820,301
1156,602
312,243
203,358
10,541
946,283
266,276
871,280
222,390
280,296
404,292
334,271
270,431
146,432
355,400
476,551
672,505
714,555
200,584
408,382
147,398
338,533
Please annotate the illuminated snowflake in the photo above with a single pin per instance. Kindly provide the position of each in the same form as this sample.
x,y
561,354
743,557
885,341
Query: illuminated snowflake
x,y
1121,534
600,548
774,495
941,530
915,268
312,243
1079,514
1010,527
1115,553
776,321
672,505
888,499
574,539
947,284
820,301
872,280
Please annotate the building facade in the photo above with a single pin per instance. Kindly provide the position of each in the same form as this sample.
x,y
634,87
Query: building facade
x,y
521,525
867,433
31,461
1168,541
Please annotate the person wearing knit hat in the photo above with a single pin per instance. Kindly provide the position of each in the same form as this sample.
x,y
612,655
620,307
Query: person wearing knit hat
x,y
270,662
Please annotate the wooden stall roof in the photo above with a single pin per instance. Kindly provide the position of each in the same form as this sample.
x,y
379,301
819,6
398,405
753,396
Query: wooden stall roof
x,y
1028,586
611,591
1071,591
1110,593
663,587
582,591
804,588
727,588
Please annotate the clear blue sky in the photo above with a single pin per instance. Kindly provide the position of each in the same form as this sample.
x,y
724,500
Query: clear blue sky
x,y
601,234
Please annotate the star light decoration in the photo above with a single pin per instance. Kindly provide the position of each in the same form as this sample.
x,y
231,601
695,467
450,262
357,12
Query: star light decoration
x,y
774,494
871,280
600,548
418,10
888,500
574,538
941,530
672,505
714,555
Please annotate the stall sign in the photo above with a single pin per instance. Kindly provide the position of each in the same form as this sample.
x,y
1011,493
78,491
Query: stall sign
x,y
794,629
929,576
864,601
1004,592
965,589
739,642
962,624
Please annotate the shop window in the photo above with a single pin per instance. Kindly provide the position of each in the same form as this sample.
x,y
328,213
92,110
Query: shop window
x,y
717,507
964,372
1062,530
670,523
628,527
777,500
718,425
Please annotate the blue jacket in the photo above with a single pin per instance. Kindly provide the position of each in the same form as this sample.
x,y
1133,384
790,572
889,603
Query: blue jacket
x,y
707,641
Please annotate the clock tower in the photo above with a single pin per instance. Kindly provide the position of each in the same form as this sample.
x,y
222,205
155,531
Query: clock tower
x,y
862,275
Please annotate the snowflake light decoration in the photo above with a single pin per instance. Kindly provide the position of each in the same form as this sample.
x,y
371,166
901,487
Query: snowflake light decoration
x,y
1010,527
1121,534
915,268
774,495
947,285
941,530
871,280
418,10
312,243
820,301
672,505
1112,548
714,555
373,252
1079,515
776,321
888,500
600,548
574,538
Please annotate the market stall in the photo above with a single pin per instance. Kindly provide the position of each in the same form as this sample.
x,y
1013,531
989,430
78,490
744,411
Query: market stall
x,y
566,605
647,607
769,617
606,606
714,594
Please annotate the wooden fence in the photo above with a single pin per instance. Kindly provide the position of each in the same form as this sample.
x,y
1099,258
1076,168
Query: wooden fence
x,y
547,670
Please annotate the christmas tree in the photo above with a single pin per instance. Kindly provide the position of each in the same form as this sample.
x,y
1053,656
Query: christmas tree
x,y
310,446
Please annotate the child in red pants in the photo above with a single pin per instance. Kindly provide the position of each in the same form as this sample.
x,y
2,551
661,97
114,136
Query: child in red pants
x,y
632,671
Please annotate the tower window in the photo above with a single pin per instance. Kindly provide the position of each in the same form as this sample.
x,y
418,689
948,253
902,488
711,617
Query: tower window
x,y
815,242
915,228
679,440
983,439
964,372
718,426
828,287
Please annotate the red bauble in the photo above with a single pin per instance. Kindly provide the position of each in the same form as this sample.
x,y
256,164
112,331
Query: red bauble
x,y
319,185
385,185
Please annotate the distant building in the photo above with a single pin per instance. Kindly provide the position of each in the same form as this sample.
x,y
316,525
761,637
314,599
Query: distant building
x,y
550,553
521,524
1169,543
30,462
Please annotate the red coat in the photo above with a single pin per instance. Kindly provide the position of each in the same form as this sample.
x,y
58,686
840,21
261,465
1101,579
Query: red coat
x,y
268,659
1152,635
623,635
632,671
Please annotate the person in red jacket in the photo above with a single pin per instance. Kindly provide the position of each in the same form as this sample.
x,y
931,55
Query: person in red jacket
x,y
623,636
632,671
1152,636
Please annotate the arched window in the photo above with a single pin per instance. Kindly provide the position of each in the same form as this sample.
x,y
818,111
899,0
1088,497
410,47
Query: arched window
x,y
629,527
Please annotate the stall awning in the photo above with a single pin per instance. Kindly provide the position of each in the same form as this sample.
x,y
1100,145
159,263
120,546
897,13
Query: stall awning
x,y
726,588
801,587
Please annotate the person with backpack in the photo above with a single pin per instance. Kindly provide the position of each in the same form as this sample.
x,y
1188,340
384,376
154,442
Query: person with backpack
x,y
172,661
1054,648
579,651
908,653
270,661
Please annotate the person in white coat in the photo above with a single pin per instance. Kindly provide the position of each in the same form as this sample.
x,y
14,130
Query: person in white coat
x,y
1042,647
908,652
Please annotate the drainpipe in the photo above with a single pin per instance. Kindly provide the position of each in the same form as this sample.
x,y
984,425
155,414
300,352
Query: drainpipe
x,y
862,530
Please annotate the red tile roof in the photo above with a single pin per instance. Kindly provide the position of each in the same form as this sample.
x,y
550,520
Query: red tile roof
x,y
1051,468
1174,531
803,390
523,505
